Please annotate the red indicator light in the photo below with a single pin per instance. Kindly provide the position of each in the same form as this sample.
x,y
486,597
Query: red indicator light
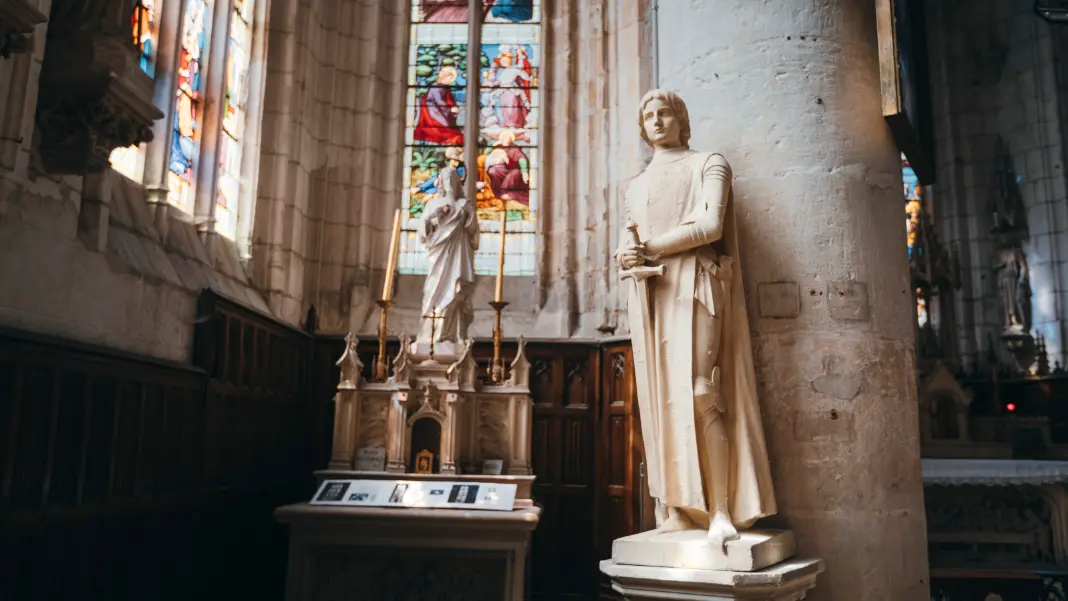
x,y
1011,406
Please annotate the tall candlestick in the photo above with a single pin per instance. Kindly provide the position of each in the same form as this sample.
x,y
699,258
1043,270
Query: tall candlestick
x,y
391,267
499,292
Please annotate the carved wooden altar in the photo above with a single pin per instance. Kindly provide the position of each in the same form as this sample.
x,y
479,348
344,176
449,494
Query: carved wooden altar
x,y
477,421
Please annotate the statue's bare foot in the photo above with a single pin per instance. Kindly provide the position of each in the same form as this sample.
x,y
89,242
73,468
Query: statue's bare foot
x,y
721,530
675,521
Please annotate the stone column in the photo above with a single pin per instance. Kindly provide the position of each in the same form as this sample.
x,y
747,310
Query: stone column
x,y
396,431
449,431
789,92
207,164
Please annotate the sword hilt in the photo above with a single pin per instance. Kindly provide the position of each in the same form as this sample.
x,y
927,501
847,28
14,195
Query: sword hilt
x,y
633,229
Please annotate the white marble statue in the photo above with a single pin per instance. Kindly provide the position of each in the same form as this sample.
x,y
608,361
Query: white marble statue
x,y
704,442
450,233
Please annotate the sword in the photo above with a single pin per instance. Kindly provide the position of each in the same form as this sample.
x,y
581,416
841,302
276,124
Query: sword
x,y
644,347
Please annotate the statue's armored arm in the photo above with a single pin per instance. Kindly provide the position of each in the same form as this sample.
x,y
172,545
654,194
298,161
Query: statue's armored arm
x,y
705,224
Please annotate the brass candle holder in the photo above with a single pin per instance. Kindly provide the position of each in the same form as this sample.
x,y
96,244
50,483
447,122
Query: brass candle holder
x,y
382,361
497,370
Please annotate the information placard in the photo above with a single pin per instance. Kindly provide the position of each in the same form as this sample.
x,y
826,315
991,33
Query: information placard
x,y
492,496
370,459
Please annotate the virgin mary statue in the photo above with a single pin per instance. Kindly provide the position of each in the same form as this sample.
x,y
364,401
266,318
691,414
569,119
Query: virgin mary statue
x,y
450,233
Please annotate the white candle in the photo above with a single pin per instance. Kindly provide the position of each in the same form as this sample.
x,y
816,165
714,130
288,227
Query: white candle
x,y
499,292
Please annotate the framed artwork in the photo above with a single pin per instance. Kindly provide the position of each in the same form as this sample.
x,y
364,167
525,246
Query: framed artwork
x,y
905,82
424,462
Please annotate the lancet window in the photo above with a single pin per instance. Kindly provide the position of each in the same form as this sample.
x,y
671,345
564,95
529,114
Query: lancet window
x,y
194,27
506,133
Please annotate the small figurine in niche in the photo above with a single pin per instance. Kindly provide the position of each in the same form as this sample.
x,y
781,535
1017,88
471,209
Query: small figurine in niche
x,y
424,462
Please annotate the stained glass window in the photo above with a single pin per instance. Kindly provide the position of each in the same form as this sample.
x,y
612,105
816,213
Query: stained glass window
x,y
507,165
144,22
237,66
188,111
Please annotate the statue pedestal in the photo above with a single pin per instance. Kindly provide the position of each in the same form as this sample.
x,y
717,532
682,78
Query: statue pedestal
x,y
683,565
787,581
689,549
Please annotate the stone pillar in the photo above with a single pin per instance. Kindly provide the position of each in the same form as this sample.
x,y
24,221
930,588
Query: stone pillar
x,y
396,431
789,92
453,406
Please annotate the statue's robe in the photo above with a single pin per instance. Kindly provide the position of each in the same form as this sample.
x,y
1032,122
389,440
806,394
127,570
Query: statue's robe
x,y
450,243
706,278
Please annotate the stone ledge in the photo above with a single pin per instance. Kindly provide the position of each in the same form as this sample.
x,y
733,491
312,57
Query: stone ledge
x,y
690,549
787,581
18,20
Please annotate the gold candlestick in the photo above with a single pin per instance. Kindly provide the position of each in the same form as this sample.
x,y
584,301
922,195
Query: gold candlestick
x,y
497,371
391,261
381,362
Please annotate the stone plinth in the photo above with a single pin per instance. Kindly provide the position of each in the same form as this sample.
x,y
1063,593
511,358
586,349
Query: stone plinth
x,y
347,553
787,581
690,549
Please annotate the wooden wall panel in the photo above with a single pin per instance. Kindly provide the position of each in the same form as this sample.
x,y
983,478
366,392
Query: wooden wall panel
x,y
619,455
126,477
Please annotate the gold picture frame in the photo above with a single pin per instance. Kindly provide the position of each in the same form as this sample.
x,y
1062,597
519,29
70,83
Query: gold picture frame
x,y
905,82
424,462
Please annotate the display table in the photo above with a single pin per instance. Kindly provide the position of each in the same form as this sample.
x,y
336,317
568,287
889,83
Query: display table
x,y
371,553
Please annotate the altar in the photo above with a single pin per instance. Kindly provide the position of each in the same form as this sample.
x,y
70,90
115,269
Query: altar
x,y
427,493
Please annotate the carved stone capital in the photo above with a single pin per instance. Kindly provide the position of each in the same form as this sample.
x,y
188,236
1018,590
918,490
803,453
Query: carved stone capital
x,y
18,19
93,95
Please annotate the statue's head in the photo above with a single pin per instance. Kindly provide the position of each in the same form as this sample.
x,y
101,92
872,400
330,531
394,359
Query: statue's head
x,y
451,184
447,75
664,120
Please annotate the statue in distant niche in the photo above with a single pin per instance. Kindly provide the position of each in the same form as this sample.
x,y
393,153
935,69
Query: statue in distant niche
x,y
450,233
1014,289
704,441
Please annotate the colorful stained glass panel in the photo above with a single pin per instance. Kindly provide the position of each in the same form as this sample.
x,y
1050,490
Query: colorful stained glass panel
x,y
506,171
238,59
424,165
185,140
506,177
145,22
512,11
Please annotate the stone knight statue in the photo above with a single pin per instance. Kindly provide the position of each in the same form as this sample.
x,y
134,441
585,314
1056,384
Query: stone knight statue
x,y
705,449
450,233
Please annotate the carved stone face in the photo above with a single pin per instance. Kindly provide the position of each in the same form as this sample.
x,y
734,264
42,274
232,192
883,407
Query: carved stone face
x,y
662,125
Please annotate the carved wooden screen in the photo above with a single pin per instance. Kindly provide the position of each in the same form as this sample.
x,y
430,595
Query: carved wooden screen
x,y
619,454
564,384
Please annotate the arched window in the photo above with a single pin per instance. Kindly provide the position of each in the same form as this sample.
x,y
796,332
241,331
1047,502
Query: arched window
x,y
130,160
507,94
191,24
